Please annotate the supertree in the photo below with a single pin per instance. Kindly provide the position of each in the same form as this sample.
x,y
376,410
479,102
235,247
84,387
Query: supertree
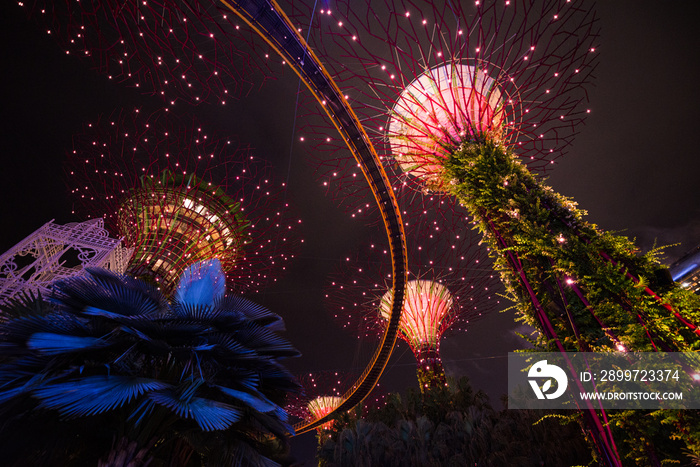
x,y
451,282
322,393
190,51
467,100
178,195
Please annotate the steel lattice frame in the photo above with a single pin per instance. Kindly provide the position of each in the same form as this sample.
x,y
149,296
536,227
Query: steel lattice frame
x,y
54,252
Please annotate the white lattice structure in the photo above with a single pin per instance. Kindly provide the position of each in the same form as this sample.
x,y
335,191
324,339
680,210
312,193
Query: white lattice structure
x,y
55,252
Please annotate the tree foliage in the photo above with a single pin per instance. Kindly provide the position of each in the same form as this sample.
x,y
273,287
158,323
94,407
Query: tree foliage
x,y
592,287
108,363
453,427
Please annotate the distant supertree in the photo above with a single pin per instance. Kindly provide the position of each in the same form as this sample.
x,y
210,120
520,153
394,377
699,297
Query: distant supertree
x,y
466,99
179,195
322,392
194,51
451,282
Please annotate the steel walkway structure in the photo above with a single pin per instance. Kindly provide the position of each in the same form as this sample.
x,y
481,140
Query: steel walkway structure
x,y
272,24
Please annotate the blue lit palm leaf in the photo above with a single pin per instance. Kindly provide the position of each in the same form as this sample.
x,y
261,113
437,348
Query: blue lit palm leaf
x,y
113,346
95,394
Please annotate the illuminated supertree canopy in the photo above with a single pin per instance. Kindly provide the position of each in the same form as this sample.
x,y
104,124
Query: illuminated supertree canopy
x,y
446,87
191,51
424,78
175,226
321,393
467,100
451,283
428,310
178,196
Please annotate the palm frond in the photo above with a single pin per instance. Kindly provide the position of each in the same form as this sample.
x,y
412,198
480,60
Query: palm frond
x,y
246,378
266,341
18,330
277,375
103,289
95,394
254,312
230,347
194,311
25,303
94,311
256,401
210,360
203,283
51,343
209,414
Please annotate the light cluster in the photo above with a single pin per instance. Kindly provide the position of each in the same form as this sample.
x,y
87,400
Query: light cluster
x,y
179,195
192,51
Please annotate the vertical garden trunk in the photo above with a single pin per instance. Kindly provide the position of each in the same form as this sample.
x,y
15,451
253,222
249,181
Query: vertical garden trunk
x,y
583,288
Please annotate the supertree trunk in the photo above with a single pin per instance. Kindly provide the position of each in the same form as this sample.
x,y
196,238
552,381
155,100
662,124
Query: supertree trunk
x,y
584,289
571,280
431,373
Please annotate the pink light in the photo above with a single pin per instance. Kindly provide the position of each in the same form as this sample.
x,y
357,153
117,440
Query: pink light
x,y
427,305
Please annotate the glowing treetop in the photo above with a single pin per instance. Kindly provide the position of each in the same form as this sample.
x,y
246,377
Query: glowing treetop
x,y
178,195
425,77
322,393
428,311
178,220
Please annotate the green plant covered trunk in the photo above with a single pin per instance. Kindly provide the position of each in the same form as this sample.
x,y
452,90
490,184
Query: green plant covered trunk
x,y
591,285
431,373
583,288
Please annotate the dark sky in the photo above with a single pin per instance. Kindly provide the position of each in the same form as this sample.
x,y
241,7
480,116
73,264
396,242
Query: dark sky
x,y
634,166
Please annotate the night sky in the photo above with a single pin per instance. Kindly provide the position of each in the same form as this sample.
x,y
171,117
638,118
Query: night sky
x,y
634,167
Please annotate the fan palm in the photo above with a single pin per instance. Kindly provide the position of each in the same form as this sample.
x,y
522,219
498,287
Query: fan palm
x,y
144,377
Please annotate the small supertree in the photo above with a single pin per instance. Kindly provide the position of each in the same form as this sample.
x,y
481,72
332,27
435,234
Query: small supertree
x,y
322,392
178,195
450,283
428,310
190,51
466,99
